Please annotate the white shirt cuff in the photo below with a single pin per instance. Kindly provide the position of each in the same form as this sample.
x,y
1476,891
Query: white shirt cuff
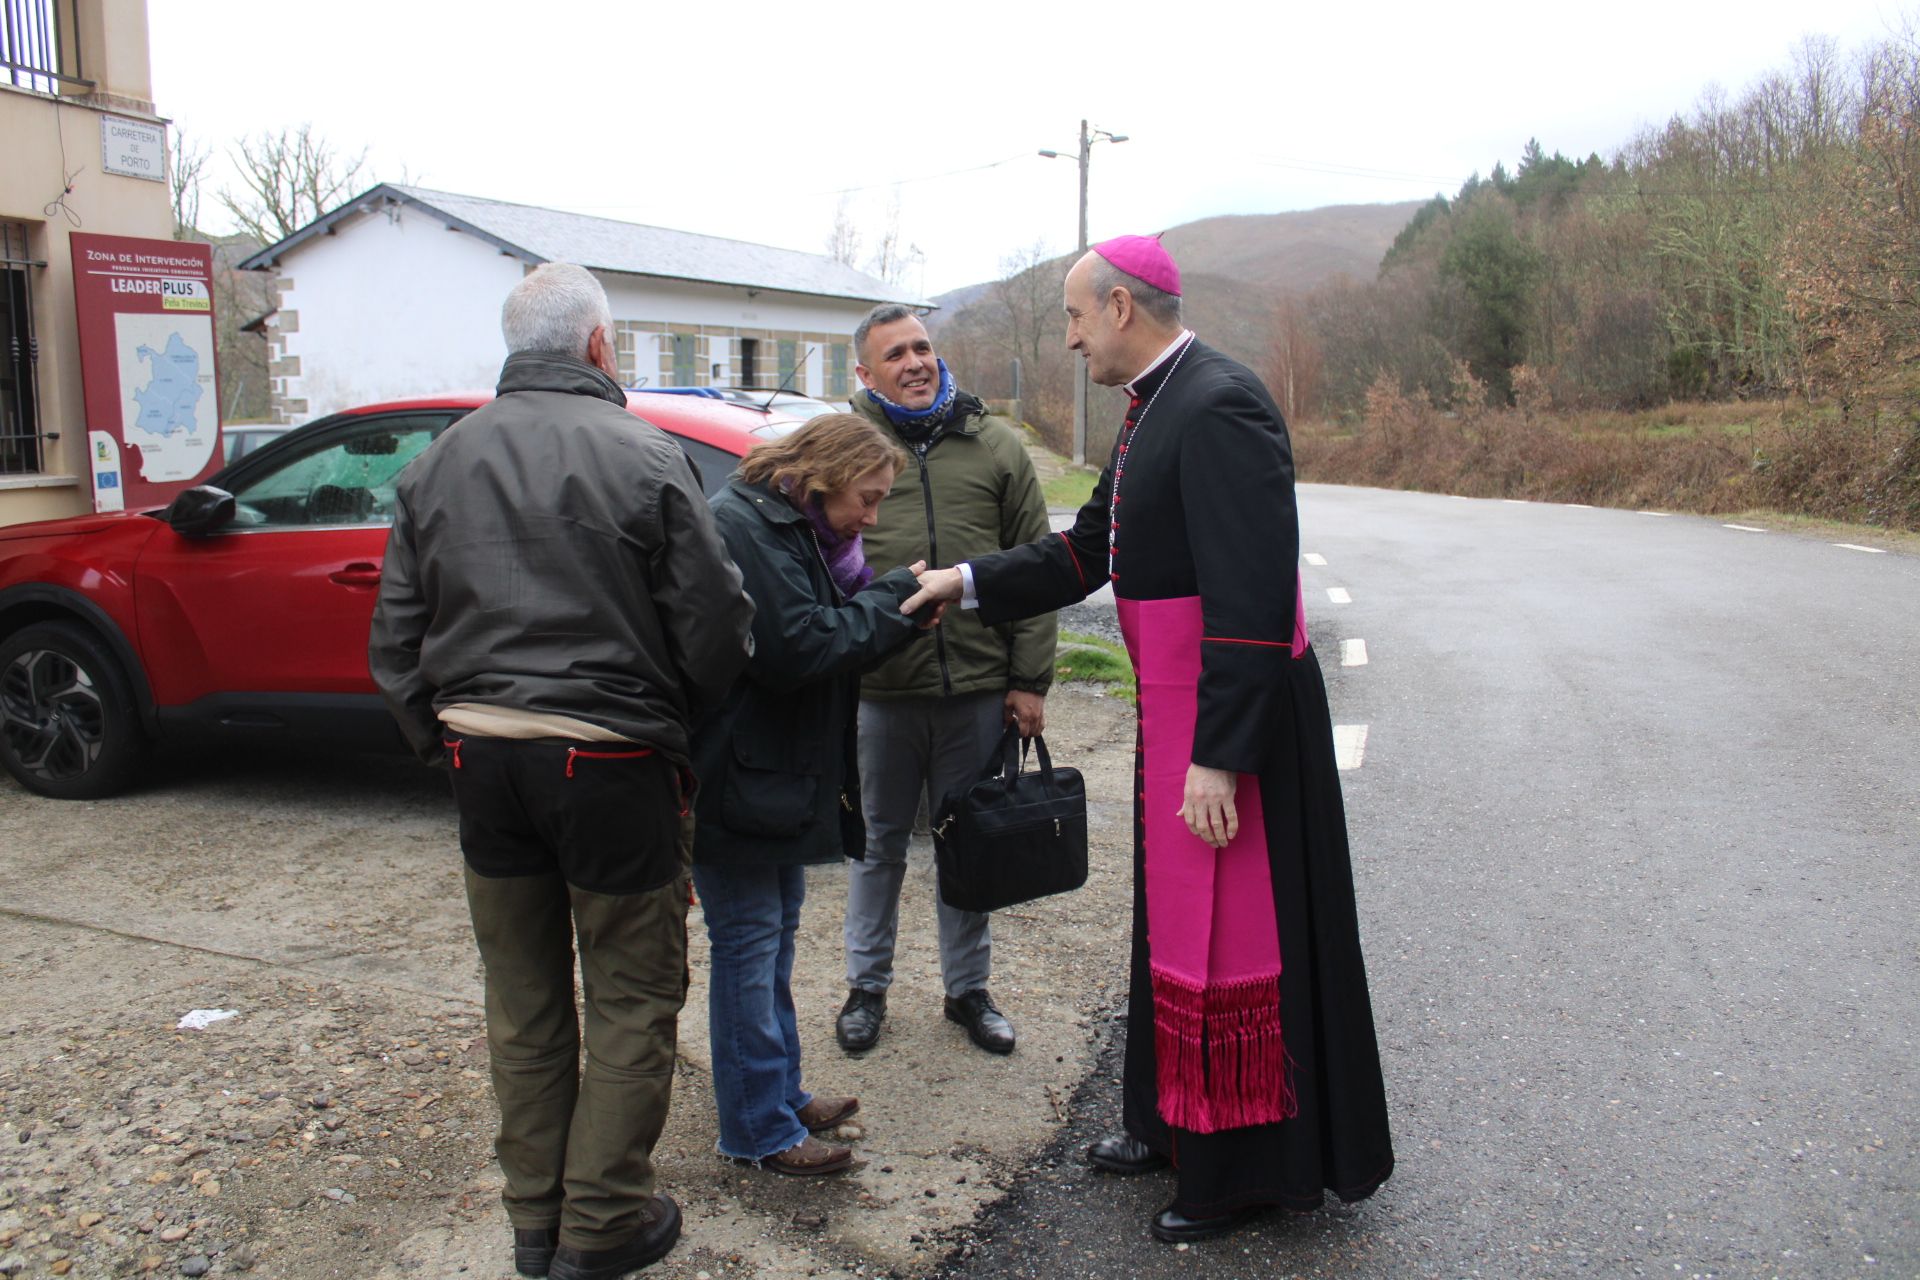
x,y
968,600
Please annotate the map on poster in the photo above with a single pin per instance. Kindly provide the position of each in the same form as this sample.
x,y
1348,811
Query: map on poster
x,y
166,379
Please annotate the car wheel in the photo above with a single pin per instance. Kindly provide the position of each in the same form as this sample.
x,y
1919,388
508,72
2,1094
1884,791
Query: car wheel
x,y
68,725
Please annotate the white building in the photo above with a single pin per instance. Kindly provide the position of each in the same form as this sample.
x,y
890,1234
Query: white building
x,y
397,293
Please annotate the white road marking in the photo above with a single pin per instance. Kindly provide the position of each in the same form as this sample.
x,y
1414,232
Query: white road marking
x,y
1854,546
1463,497
1583,506
1353,653
1744,528
1339,595
1349,745
1315,559
1518,502
1662,514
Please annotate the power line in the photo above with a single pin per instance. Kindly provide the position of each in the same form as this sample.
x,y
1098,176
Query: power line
x,y
928,177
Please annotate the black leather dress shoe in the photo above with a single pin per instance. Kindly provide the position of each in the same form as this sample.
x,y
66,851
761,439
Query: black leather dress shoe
x,y
1175,1227
533,1249
986,1026
858,1025
646,1247
1124,1154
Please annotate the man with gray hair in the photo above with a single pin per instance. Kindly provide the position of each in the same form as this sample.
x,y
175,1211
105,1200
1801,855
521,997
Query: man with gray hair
x,y
556,609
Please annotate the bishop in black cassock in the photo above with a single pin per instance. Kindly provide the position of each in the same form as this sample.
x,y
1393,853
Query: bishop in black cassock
x,y
1251,1063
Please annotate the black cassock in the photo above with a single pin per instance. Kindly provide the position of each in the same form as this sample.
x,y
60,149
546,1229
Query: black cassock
x,y
1206,508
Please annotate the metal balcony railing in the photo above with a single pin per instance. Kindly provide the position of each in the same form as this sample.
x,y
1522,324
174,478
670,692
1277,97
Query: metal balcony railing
x,y
40,45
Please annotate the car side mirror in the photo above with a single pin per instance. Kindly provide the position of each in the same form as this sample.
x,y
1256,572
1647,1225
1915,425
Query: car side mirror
x,y
201,509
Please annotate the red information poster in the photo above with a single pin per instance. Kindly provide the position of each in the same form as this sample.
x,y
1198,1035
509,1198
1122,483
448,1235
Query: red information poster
x,y
145,310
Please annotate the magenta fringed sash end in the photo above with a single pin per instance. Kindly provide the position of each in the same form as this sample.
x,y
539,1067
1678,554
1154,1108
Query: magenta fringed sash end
x,y
1220,1055
1212,932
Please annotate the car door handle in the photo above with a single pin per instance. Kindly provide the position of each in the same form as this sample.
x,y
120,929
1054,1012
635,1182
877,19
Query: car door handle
x,y
360,574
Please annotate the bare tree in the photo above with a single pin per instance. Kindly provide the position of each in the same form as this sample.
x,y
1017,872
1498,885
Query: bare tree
x,y
888,252
1028,293
289,179
891,255
1293,360
189,165
843,241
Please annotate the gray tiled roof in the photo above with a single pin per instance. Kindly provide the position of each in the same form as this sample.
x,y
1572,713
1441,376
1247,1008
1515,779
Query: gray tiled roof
x,y
605,244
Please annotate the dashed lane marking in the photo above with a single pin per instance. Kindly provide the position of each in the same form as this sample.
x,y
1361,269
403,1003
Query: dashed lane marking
x,y
1854,546
1349,745
1315,558
1518,502
1353,653
1339,595
1662,514
1744,528
1581,506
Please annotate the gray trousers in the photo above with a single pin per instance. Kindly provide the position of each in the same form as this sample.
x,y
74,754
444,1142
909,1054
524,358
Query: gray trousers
x,y
936,744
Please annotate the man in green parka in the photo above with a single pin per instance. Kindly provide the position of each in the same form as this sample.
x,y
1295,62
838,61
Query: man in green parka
x,y
931,714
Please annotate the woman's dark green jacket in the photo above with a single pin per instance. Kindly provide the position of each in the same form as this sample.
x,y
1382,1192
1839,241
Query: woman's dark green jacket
x,y
778,779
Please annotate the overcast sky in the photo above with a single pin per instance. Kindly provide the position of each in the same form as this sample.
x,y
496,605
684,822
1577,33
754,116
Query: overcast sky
x,y
748,120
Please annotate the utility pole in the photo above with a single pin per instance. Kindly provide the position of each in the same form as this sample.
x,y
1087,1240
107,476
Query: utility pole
x,y
1087,138
1080,366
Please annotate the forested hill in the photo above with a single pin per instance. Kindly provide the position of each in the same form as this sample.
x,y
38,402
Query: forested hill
x,y
1245,261
1237,271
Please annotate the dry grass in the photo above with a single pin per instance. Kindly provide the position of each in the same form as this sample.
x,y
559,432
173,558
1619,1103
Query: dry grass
x,y
1709,458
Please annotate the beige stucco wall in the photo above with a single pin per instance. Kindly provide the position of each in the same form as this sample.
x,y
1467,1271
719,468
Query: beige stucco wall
x,y
113,53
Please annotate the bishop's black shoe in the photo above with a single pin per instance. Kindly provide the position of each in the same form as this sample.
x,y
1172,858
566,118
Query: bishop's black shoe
x,y
1175,1227
1124,1154
644,1248
533,1249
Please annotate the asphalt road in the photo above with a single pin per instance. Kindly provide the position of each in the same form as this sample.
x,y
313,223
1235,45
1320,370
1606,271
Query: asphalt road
x,y
1636,832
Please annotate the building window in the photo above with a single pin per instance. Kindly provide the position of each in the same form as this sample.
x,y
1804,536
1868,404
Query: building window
x,y
837,385
627,341
20,438
749,361
789,361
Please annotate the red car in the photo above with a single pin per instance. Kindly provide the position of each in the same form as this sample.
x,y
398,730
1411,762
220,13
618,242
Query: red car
x,y
241,610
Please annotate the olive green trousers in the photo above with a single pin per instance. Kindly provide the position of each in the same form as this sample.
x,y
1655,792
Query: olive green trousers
x,y
576,1145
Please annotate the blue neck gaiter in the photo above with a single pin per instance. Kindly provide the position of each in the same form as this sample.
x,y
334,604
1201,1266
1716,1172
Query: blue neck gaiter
x,y
915,424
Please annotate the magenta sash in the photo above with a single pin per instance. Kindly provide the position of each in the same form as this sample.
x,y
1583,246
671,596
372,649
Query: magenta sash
x,y
1214,942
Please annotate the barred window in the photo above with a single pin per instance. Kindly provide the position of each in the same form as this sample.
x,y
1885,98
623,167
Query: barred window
x,y
21,441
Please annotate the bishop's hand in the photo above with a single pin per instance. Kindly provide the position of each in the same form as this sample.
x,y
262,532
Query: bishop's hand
x,y
937,586
939,611
1207,807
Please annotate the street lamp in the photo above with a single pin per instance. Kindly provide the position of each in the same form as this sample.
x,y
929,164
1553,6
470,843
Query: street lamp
x,y
1087,138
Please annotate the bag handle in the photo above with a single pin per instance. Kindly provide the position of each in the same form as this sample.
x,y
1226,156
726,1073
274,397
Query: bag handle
x,y
1040,749
1009,758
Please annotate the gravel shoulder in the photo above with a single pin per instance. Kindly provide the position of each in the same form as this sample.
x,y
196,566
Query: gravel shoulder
x,y
341,1121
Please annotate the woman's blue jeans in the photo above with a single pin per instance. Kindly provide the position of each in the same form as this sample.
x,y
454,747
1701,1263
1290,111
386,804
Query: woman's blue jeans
x,y
752,914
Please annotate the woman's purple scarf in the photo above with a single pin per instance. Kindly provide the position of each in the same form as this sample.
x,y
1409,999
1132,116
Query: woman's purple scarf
x,y
846,559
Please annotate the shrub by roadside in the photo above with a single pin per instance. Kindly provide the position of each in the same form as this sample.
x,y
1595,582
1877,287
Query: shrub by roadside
x,y
1708,458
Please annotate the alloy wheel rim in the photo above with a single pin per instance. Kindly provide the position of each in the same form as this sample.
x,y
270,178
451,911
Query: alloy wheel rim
x,y
51,715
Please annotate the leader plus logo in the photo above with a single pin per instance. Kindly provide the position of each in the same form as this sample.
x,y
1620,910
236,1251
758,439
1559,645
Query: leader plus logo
x,y
174,295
